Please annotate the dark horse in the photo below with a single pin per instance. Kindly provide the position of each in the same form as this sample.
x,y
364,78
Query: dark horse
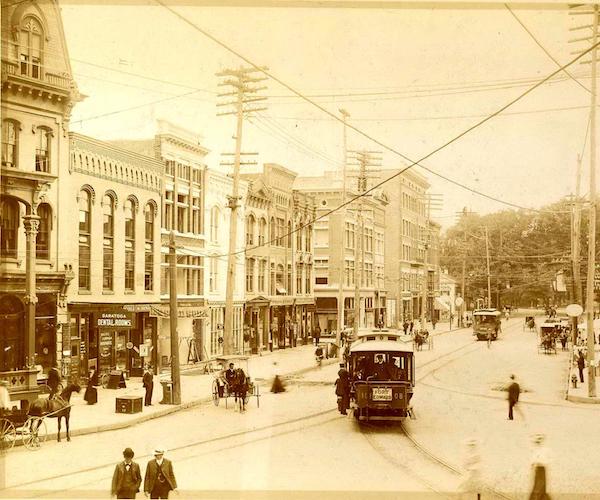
x,y
239,387
57,407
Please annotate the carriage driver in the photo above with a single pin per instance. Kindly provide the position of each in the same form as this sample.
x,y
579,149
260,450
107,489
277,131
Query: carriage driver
x,y
230,374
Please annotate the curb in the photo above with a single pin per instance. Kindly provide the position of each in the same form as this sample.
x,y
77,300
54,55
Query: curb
x,y
169,409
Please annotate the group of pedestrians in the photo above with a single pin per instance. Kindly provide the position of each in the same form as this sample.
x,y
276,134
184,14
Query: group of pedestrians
x,y
158,481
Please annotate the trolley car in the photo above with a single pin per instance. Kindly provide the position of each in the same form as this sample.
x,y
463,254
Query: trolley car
x,y
486,322
382,374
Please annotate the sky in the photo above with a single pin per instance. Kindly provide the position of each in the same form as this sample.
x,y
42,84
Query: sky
x,y
413,76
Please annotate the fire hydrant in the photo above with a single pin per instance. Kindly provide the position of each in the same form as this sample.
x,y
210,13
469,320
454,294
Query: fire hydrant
x,y
574,381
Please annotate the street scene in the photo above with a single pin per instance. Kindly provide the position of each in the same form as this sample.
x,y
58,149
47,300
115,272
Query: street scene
x,y
299,250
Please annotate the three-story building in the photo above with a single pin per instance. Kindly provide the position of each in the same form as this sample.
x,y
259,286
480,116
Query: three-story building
x,y
38,94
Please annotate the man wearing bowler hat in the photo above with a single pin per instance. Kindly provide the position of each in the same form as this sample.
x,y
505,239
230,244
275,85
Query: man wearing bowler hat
x,y
160,478
127,477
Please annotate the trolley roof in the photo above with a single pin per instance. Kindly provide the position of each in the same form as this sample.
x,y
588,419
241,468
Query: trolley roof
x,y
381,346
487,312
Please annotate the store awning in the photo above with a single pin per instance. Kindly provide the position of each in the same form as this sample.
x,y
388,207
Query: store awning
x,y
162,311
280,290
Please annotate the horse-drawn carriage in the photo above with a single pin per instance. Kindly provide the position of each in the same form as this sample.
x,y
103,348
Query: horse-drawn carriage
x,y
529,323
16,425
235,383
549,333
29,426
421,338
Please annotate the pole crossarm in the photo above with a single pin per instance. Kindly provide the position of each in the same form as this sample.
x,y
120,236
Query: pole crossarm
x,y
239,80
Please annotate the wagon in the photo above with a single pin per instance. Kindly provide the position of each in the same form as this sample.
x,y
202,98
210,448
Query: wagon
x,y
220,386
422,338
16,425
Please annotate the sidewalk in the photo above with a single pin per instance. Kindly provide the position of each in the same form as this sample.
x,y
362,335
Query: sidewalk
x,y
579,394
196,389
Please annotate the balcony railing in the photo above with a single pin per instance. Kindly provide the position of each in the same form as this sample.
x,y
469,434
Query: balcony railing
x,y
10,68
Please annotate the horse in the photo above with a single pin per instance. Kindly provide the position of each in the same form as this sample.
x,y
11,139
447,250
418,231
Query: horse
x,y
57,407
239,387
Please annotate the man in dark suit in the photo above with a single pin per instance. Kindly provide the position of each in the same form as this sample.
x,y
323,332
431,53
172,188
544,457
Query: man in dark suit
x,y
230,374
148,382
160,478
513,396
127,477
53,380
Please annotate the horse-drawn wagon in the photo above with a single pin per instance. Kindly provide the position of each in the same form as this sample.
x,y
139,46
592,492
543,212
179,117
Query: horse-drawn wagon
x,y
234,382
421,338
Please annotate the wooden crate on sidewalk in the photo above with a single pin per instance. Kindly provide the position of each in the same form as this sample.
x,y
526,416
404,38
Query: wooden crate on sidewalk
x,y
128,404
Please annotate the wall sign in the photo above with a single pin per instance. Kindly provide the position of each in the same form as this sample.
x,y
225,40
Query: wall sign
x,y
114,320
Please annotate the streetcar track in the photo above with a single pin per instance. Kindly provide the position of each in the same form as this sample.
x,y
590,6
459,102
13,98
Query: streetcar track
x,y
207,452
182,447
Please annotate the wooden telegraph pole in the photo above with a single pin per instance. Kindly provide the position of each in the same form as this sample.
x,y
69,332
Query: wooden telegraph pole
x,y
586,10
487,259
365,159
173,312
240,80
341,299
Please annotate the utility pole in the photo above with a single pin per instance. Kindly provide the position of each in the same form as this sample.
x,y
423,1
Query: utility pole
x,y
487,259
426,244
575,255
585,10
173,312
365,159
241,81
341,299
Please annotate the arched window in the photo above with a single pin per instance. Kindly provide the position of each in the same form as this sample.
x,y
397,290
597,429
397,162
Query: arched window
x,y
299,235
10,227
31,37
42,241
250,228
273,232
10,143
129,245
108,242
42,151
250,275
85,207
148,247
289,234
214,224
262,231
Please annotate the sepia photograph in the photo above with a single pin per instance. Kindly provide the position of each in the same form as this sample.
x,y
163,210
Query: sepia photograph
x,y
299,249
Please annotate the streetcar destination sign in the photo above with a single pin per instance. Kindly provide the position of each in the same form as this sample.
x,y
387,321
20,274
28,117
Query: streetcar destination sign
x,y
382,394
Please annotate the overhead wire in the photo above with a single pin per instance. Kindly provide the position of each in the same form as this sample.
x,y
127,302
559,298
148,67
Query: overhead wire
x,y
374,140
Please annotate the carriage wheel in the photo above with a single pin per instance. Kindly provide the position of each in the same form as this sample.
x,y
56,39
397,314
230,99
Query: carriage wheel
x,y
34,433
8,434
215,392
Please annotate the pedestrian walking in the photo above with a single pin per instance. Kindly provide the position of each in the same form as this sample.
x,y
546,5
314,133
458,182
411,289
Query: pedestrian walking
x,y
160,478
433,322
580,365
514,390
317,334
342,389
539,464
127,477
53,380
471,484
91,393
411,325
148,383
405,326
277,385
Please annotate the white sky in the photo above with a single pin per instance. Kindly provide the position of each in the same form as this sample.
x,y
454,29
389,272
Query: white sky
x,y
527,158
